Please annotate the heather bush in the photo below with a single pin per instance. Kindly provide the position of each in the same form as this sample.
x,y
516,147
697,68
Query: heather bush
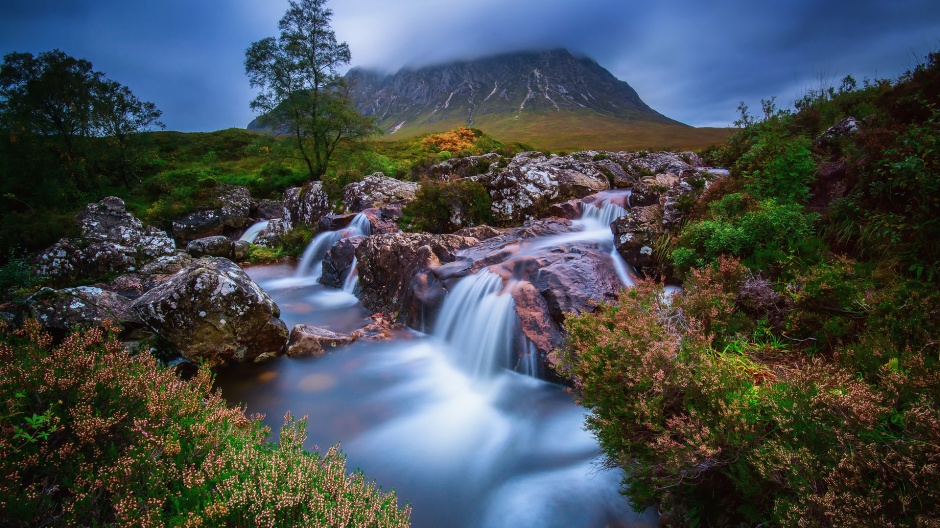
x,y
751,433
91,435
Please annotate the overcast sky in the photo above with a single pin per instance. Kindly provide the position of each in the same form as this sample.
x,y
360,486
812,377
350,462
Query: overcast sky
x,y
690,60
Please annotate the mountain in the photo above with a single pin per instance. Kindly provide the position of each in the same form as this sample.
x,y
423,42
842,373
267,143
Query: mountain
x,y
547,99
509,85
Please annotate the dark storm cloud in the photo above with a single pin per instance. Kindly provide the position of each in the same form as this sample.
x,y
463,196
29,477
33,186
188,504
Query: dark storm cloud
x,y
693,61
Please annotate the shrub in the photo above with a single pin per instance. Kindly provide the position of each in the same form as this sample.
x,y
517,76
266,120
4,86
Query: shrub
x,y
92,436
444,207
454,141
764,236
747,435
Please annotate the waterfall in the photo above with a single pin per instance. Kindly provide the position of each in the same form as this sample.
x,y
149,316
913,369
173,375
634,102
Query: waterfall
x,y
352,280
311,262
478,321
252,232
598,218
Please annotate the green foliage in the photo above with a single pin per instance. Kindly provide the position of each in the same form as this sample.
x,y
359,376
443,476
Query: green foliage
x,y
765,235
94,436
17,279
445,207
265,255
778,168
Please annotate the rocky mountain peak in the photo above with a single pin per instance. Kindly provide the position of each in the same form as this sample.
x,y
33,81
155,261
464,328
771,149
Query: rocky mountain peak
x,y
510,85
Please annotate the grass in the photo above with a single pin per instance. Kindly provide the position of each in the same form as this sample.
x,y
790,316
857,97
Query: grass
x,y
566,130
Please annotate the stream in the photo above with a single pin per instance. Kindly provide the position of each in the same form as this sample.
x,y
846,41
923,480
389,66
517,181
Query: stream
x,y
461,437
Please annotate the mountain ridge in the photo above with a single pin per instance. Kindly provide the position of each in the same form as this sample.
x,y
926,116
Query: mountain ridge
x,y
509,85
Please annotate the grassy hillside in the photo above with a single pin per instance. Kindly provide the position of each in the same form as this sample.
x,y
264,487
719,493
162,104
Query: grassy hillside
x,y
569,130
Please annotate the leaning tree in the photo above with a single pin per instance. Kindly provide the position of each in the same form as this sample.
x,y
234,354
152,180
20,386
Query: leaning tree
x,y
301,91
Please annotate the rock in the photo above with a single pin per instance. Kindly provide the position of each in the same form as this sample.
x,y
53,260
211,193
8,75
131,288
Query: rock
x,y
384,220
266,209
570,210
831,137
480,232
215,246
465,166
313,341
272,235
240,250
635,236
388,262
379,329
377,190
230,215
575,281
213,311
306,205
111,241
167,264
334,222
532,182
535,320
72,308
338,261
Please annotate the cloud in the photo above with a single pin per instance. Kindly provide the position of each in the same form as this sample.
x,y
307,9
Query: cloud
x,y
693,61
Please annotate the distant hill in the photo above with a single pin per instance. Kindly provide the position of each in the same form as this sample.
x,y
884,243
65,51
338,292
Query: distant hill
x,y
548,99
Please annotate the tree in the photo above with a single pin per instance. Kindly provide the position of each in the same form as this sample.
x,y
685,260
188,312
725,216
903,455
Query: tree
x,y
119,114
301,92
59,101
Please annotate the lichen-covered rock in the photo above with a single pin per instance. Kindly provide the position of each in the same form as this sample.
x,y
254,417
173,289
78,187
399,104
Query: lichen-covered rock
x,y
72,308
532,182
313,341
215,246
272,235
845,128
213,311
377,190
111,241
465,166
306,205
233,205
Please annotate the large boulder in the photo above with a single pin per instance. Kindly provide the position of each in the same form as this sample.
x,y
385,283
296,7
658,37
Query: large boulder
x,y
230,213
111,241
266,209
272,235
72,308
531,182
212,311
377,190
306,205
394,269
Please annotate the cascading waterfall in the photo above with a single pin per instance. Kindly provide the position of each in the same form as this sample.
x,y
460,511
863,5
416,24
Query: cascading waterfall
x,y
311,262
478,318
252,232
478,321
352,280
